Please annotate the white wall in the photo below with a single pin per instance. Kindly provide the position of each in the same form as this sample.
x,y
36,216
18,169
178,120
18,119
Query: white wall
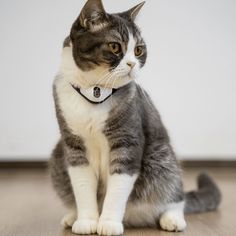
x,y
190,73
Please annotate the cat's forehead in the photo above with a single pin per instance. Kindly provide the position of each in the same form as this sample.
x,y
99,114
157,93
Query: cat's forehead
x,y
122,30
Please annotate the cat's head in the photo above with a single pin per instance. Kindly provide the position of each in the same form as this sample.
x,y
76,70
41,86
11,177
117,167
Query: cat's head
x,y
108,49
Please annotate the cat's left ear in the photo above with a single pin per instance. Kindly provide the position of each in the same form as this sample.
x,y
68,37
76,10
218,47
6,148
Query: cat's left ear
x,y
93,15
132,13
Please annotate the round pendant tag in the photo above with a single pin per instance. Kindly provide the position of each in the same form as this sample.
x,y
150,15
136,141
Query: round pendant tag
x,y
95,94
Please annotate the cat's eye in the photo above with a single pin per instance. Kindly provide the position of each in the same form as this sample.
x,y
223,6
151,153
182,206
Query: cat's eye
x,y
138,51
115,48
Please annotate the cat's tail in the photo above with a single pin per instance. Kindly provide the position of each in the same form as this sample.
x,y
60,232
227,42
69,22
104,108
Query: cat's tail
x,y
206,198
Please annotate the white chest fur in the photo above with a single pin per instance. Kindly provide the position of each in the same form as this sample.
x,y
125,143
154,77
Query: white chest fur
x,y
87,121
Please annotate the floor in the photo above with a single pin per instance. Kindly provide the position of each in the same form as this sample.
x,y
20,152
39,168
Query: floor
x,y
29,206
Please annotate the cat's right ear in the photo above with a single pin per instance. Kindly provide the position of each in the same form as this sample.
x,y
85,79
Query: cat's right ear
x,y
93,16
132,13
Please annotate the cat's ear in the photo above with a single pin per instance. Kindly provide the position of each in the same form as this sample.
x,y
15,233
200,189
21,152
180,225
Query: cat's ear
x,y
93,16
132,13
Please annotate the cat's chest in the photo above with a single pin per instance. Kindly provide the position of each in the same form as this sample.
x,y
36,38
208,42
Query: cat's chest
x,y
87,121
84,119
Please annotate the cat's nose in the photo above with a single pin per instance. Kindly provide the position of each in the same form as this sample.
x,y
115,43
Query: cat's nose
x,y
131,64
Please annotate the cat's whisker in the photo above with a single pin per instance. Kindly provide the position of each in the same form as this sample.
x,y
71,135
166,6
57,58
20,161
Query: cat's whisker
x,y
106,84
105,76
108,80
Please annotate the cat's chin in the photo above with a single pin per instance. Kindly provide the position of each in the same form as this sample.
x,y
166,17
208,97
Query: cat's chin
x,y
122,81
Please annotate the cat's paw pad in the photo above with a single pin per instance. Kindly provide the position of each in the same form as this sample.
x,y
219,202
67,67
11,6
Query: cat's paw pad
x,y
110,228
172,222
68,220
85,226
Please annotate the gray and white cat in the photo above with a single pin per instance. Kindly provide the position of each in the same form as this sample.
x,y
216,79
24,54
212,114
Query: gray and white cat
x,y
114,164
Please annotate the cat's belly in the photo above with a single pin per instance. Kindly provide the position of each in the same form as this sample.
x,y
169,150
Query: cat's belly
x,y
87,121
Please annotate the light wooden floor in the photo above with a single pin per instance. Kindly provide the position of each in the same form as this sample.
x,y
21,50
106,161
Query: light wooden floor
x,y
29,206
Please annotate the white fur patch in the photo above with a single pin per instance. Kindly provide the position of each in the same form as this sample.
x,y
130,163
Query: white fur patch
x,y
84,183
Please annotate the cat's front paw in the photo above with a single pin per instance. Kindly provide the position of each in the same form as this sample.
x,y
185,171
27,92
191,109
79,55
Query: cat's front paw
x,y
172,222
110,228
85,226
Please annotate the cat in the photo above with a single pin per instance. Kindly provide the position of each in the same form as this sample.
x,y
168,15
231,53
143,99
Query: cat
x,y
114,165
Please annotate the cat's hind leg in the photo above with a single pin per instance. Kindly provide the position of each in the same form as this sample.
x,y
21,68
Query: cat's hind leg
x,y
69,219
172,219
